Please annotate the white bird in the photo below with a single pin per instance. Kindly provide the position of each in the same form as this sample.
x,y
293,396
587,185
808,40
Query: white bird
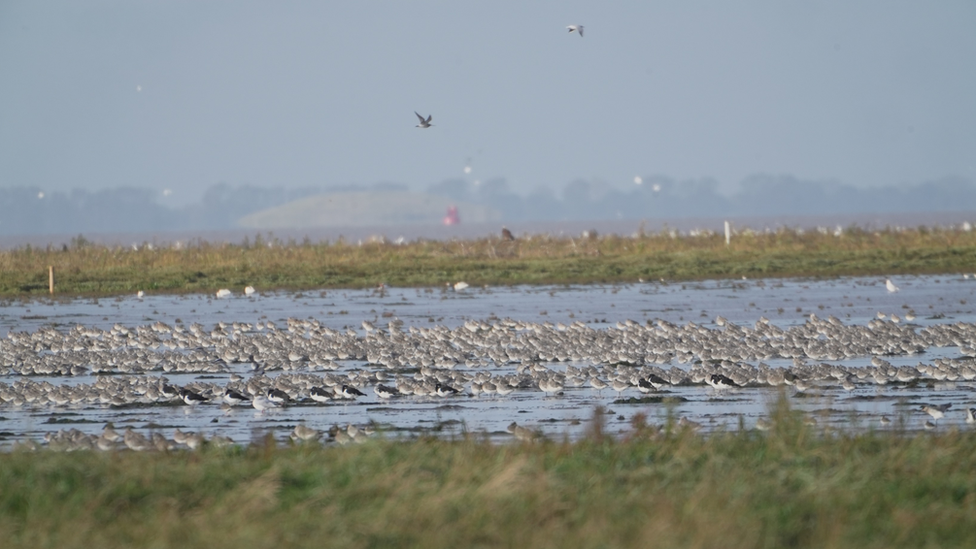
x,y
937,412
891,286
140,294
261,403
424,123
223,292
248,290
460,286
577,28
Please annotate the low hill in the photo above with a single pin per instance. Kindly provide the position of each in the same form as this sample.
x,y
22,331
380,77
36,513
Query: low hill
x,y
371,208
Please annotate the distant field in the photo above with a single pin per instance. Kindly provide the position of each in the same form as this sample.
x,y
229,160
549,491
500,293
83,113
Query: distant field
x,y
87,269
794,486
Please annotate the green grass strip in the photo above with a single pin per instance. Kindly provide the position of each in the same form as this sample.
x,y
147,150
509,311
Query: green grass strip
x,y
89,270
794,486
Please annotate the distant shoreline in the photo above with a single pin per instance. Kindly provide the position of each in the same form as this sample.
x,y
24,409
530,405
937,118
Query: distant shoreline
x,y
463,231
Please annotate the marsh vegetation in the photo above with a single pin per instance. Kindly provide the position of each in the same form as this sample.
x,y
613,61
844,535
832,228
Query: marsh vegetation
x,y
792,486
269,264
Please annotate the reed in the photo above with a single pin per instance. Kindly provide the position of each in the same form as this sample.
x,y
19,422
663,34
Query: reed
x,y
269,264
793,486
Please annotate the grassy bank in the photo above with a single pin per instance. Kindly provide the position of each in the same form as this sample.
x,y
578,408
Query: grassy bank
x,y
790,487
85,269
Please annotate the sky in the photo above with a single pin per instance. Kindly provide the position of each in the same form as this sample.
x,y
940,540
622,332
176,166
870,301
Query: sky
x,y
180,95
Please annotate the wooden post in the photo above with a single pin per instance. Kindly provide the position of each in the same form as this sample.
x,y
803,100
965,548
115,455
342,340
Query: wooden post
x,y
50,278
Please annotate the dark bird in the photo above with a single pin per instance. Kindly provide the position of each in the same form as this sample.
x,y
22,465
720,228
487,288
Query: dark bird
x,y
656,381
191,398
650,383
348,391
278,396
445,390
721,382
234,398
507,234
383,391
170,391
320,394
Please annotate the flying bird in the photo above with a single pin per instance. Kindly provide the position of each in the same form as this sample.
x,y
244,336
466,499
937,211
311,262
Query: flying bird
x,y
577,28
937,412
424,123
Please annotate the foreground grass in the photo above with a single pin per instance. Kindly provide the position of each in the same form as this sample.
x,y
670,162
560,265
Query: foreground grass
x,y
790,487
85,269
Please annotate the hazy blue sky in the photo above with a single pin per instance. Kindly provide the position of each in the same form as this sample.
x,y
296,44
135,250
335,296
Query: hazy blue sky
x,y
323,93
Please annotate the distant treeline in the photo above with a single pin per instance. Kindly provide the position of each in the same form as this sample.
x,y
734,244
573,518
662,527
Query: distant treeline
x,y
30,211
760,195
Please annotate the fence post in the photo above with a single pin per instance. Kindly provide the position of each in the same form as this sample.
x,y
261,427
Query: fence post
x,y
50,278
728,233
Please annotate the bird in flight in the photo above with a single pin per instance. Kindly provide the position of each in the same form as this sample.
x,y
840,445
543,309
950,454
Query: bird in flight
x,y
577,28
423,123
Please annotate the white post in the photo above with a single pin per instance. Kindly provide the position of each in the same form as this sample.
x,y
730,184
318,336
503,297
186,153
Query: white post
x,y
728,233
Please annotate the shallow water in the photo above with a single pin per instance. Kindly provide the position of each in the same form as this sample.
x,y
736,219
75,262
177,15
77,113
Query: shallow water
x,y
935,299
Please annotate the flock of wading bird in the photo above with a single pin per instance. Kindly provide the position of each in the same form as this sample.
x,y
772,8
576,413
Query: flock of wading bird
x,y
304,362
